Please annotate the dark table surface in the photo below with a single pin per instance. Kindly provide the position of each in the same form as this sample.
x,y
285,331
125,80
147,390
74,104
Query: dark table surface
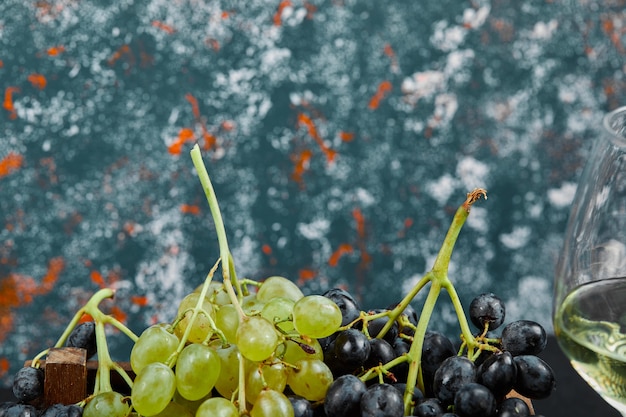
x,y
572,398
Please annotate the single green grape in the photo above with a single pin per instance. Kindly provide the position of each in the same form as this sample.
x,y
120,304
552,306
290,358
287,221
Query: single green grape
x,y
216,293
272,403
107,404
310,349
217,407
228,380
155,344
251,305
277,286
227,320
192,406
197,370
316,316
278,311
153,389
174,409
201,327
310,379
270,376
256,338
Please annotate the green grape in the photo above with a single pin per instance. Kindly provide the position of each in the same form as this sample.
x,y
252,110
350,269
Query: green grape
x,y
107,404
201,328
153,389
192,406
216,293
174,410
271,376
277,286
251,305
310,379
310,349
272,403
197,369
228,380
227,320
155,344
316,316
256,338
278,311
217,407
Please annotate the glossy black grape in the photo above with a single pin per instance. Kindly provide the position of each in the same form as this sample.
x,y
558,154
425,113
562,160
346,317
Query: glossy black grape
x,y
417,393
498,373
84,336
401,371
429,407
301,406
382,400
437,347
524,337
61,410
28,384
343,398
487,309
349,307
474,400
375,326
535,378
454,373
513,407
352,348
381,352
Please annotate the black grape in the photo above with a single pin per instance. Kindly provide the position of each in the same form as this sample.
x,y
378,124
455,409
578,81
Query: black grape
x,y
454,373
19,410
84,336
498,373
343,397
375,326
352,348
61,410
535,378
487,309
513,407
28,384
382,400
474,400
430,407
301,406
381,352
524,337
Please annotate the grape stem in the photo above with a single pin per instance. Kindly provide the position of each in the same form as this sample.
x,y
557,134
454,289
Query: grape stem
x,y
228,265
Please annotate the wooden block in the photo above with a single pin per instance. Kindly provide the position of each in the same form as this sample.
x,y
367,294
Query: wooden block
x,y
65,376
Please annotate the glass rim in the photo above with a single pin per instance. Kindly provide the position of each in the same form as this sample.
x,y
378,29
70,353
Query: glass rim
x,y
618,136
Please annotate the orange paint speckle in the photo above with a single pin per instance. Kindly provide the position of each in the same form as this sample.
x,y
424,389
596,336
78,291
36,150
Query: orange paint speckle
x,y
278,16
302,161
38,81
210,141
267,249
1,64
5,365
98,279
342,250
190,209
8,101
119,314
122,52
164,27
383,89
10,163
360,222
139,300
306,121
184,135
55,50
305,275
346,136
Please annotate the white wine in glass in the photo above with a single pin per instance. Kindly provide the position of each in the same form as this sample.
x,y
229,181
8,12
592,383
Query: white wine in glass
x,y
589,311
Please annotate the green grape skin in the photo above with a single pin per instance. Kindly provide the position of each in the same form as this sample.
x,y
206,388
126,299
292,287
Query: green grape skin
x,y
316,316
272,403
201,328
216,293
217,407
228,380
174,409
107,404
251,305
256,338
197,369
227,320
277,286
294,351
192,406
155,344
153,389
278,311
310,379
266,376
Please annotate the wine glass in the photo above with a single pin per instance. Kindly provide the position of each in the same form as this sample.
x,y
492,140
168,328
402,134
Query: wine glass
x,y
589,310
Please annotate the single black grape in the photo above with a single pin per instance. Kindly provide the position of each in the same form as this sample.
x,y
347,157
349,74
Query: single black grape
x,y
524,337
382,400
513,407
535,378
62,410
436,348
401,371
474,400
343,398
348,305
352,348
301,406
429,407
84,336
375,326
381,352
28,384
498,373
487,309
454,373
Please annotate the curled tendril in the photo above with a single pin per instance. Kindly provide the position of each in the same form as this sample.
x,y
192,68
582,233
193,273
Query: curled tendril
x,y
473,197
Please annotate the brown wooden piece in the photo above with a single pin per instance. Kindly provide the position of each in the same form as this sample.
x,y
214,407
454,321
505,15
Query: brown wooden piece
x,y
65,376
